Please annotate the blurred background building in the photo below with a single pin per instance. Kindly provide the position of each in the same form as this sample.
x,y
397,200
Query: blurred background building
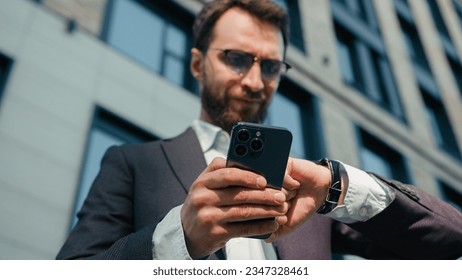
x,y
375,83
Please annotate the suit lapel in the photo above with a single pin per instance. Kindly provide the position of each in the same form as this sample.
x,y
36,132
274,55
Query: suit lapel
x,y
184,154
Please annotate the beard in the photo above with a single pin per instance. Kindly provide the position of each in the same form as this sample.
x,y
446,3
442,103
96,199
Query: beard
x,y
220,112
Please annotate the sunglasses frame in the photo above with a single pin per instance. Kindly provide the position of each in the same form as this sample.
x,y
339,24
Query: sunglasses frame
x,y
243,70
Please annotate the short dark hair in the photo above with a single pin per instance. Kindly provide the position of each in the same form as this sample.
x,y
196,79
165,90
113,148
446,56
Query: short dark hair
x,y
265,10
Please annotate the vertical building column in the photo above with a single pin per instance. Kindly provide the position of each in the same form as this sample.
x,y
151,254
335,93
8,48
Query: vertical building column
x,y
319,37
453,24
442,72
401,65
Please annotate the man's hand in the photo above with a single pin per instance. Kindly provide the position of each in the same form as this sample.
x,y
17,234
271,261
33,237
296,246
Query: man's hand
x,y
225,203
314,184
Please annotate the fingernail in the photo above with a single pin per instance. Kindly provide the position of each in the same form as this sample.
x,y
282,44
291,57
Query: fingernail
x,y
261,182
279,197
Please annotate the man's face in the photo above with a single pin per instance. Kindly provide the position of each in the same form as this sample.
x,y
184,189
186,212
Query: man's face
x,y
228,96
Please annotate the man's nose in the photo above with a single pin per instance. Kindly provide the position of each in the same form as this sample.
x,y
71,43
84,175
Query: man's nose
x,y
253,79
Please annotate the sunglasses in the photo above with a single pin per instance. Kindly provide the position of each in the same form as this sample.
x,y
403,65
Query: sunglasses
x,y
241,62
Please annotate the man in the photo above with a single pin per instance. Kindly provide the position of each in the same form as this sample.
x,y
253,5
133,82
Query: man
x,y
161,200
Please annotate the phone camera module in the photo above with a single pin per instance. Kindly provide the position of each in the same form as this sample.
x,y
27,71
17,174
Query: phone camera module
x,y
256,144
240,150
243,135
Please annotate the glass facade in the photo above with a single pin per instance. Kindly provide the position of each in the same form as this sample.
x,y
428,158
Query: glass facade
x,y
438,20
414,44
447,43
362,56
107,130
441,127
436,112
457,5
296,31
451,194
457,72
153,35
378,157
297,110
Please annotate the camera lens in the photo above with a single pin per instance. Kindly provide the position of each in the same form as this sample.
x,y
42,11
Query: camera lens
x,y
256,144
243,135
240,150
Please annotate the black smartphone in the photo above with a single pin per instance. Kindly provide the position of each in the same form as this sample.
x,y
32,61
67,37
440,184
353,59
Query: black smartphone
x,y
262,149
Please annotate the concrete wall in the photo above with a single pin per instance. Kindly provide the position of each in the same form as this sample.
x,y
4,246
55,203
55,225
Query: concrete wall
x,y
46,112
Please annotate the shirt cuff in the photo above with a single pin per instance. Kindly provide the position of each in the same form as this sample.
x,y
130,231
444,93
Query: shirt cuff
x,y
364,199
168,238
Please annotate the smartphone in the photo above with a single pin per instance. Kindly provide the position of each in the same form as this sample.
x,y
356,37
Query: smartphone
x,y
262,149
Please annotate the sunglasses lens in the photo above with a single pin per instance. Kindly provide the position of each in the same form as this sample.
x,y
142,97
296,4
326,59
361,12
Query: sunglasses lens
x,y
239,62
271,68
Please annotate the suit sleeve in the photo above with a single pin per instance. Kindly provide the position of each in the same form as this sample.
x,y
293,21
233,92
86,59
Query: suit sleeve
x,y
415,225
105,228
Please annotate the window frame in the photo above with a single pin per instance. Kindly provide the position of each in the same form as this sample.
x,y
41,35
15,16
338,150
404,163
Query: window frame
x,y
6,65
371,69
116,126
310,114
450,194
296,37
438,20
182,19
447,140
397,162
456,69
416,50
458,9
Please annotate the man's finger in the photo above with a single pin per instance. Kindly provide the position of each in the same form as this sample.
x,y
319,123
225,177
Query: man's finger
x,y
242,195
227,177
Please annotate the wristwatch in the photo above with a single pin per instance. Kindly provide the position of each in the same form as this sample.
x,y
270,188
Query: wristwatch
x,y
335,188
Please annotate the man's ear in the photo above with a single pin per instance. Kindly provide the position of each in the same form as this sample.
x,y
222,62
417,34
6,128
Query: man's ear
x,y
196,63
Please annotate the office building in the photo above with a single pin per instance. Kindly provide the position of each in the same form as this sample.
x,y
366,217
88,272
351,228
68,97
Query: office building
x,y
376,84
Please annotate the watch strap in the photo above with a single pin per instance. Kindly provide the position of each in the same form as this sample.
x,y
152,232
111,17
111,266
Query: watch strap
x,y
335,188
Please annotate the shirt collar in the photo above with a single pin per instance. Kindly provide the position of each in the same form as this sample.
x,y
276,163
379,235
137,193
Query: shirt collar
x,y
211,136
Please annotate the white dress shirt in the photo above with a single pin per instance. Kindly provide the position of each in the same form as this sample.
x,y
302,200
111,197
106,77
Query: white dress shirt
x,y
364,199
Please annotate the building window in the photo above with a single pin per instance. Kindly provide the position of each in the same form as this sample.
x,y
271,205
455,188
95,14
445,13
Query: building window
x,y
436,113
5,68
441,127
107,130
404,2
378,157
362,9
156,34
298,111
438,19
403,9
296,30
451,195
385,93
349,59
362,56
414,44
448,46
458,8
456,71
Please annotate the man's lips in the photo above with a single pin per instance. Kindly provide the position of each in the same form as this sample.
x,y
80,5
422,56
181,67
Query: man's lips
x,y
249,101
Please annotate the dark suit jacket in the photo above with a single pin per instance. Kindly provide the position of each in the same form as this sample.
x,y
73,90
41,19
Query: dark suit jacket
x,y
138,184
